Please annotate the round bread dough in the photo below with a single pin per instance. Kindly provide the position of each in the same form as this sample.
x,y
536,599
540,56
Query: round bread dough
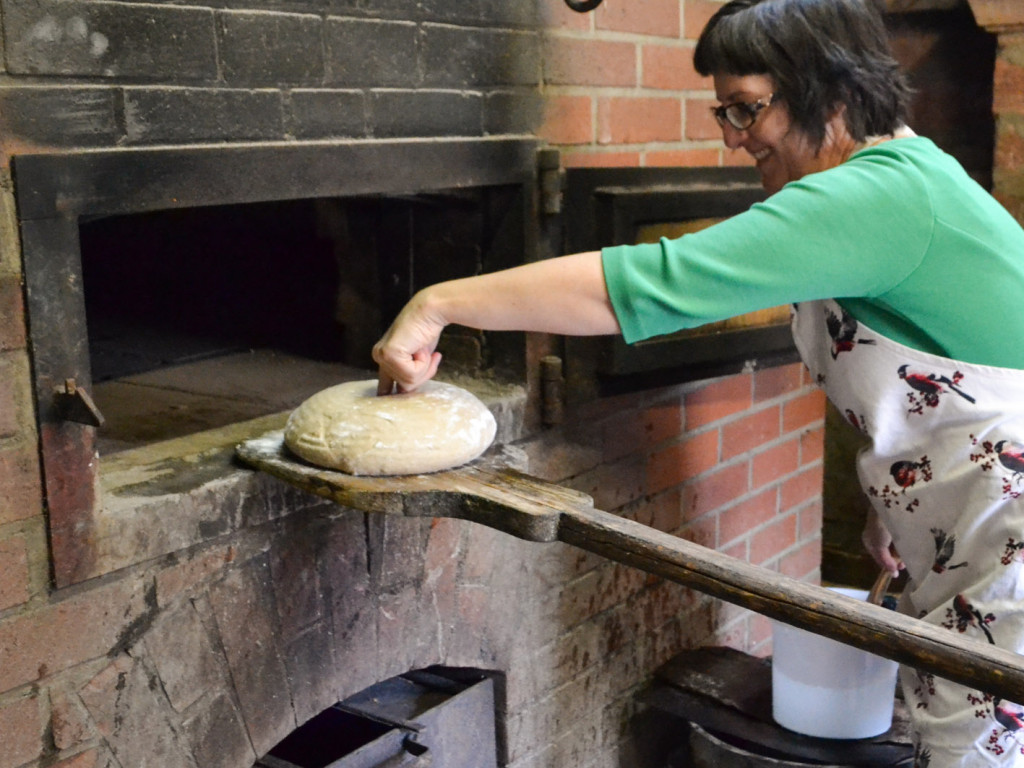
x,y
349,427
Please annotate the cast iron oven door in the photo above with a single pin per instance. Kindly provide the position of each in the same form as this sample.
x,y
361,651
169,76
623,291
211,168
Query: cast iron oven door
x,y
622,206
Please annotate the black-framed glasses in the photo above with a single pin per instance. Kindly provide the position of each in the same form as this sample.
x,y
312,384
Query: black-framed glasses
x,y
742,114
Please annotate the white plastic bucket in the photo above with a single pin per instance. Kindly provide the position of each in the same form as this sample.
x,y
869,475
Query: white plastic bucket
x,y
824,688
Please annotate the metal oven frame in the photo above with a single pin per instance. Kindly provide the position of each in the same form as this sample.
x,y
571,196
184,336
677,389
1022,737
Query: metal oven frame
x,y
607,206
55,191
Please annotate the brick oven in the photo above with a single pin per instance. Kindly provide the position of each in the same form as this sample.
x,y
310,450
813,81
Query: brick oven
x,y
161,604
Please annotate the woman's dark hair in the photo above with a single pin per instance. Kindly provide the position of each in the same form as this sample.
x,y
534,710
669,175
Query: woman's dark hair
x,y
820,53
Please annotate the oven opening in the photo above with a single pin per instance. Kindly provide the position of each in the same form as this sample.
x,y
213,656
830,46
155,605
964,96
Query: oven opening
x,y
441,717
171,287
202,317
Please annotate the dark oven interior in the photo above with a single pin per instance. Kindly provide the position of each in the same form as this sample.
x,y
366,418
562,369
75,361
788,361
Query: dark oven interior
x,y
194,313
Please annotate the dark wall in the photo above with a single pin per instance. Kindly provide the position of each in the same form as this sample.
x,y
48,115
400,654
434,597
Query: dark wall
x,y
294,69
950,61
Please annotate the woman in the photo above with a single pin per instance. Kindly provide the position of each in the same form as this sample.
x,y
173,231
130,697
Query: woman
x,y
928,271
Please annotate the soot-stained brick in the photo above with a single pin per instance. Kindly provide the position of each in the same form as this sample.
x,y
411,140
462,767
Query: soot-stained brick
x,y
271,48
323,113
372,53
456,57
395,114
104,39
59,117
159,115
513,112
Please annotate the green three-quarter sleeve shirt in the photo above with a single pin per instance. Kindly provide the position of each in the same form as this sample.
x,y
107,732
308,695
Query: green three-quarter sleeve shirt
x,y
899,234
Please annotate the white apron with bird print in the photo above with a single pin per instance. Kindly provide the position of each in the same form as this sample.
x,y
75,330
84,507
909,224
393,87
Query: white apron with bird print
x,y
945,471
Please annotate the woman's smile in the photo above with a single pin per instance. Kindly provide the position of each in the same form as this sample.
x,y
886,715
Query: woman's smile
x,y
783,152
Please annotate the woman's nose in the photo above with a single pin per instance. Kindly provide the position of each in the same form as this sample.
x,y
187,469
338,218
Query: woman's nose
x,y
732,136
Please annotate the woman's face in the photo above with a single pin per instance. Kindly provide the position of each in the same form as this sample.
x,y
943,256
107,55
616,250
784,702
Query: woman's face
x,y
782,151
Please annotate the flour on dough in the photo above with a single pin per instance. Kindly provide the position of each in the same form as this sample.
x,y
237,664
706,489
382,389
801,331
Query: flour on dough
x,y
349,427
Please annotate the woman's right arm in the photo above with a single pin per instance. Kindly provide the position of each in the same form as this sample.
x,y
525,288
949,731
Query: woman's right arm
x,y
566,295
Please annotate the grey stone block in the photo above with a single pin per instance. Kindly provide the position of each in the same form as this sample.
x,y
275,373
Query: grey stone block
x,y
513,112
462,12
270,48
105,39
218,735
455,57
344,561
409,631
499,13
183,656
154,115
284,6
243,607
380,9
474,13
59,117
396,549
416,10
313,672
293,565
354,607
371,53
396,114
133,715
323,114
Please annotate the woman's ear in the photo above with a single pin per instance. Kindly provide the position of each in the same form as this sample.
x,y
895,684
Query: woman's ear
x,y
838,141
836,128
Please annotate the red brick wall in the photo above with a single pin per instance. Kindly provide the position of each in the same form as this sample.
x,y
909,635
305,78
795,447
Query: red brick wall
x,y
620,88
1009,108
734,464
21,514
23,565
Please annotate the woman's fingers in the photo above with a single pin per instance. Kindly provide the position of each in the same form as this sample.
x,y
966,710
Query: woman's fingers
x,y
400,371
406,355
423,369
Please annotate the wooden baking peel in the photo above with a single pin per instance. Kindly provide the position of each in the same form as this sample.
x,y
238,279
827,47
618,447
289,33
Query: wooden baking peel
x,y
490,494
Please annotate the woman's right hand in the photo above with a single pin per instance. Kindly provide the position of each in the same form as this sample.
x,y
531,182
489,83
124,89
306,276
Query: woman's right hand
x,y
565,295
878,542
406,354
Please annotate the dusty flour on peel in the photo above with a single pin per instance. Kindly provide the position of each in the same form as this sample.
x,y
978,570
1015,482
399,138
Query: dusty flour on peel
x,y
348,427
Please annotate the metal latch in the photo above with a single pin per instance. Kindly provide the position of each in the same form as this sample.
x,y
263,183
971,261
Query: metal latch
x,y
552,390
74,404
552,180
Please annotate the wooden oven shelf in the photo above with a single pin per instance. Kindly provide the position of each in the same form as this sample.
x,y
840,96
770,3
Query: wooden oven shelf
x,y
184,399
